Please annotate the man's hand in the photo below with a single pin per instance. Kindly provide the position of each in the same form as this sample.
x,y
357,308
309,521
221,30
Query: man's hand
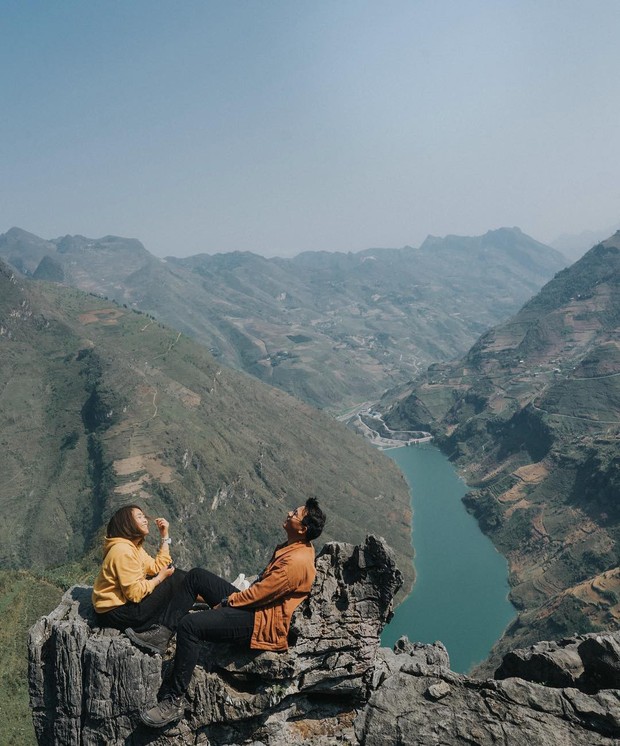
x,y
162,524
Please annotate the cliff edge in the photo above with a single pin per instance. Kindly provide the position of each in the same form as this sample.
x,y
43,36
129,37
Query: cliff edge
x,y
334,685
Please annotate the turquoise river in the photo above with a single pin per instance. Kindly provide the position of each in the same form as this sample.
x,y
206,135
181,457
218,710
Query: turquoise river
x,y
461,591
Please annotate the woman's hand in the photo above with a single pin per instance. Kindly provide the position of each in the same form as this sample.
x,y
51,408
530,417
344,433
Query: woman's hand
x,y
162,524
163,574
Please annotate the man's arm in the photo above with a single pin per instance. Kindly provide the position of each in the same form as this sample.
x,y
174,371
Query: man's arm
x,y
273,585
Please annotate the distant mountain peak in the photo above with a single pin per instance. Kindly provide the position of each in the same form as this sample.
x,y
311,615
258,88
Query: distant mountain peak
x,y
16,234
504,230
252,310
503,237
78,242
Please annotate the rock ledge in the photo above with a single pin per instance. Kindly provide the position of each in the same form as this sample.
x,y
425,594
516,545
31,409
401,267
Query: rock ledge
x,y
335,685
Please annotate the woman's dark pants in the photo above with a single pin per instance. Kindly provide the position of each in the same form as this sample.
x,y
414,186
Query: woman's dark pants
x,y
153,609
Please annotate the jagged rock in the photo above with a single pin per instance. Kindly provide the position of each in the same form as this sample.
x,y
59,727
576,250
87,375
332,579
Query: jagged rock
x,y
589,662
410,655
88,685
334,686
601,661
550,663
405,710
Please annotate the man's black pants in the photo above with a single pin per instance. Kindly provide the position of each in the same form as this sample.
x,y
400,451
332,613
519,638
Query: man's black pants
x,y
225,624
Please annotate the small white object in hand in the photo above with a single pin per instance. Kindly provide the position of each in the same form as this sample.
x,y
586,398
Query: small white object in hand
x,y
240,582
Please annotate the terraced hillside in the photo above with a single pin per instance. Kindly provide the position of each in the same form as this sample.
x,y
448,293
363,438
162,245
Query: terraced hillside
x,y
333,329
100,405
532,416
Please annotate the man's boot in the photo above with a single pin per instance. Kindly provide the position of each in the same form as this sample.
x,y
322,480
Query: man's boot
x,y
170,708
153,640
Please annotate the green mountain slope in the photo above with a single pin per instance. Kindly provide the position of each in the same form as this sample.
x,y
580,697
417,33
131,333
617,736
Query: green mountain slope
x,y
24,598
532,416
101,405
330,328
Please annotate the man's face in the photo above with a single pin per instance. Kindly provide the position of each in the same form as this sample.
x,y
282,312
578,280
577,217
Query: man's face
x,y
293,523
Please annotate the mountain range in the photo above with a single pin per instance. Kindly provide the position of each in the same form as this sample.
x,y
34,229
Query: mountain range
x,y
531,416
333,329
101,403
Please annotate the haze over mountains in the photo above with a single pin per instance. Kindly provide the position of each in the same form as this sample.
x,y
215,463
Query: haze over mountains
x,y
333,329
574,246
100,404
532,416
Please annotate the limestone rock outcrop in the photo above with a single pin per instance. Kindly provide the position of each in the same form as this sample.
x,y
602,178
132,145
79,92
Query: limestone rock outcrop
x,y
335,685
426,704
589,662
87,685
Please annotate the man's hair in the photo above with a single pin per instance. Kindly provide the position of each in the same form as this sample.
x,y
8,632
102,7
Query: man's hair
x,y
123,525
314,520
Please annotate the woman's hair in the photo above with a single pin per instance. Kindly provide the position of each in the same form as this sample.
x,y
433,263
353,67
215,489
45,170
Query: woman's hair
x,y
314,520
123,525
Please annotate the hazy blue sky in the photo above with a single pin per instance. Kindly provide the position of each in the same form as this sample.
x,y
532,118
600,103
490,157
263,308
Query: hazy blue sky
x,y
278,126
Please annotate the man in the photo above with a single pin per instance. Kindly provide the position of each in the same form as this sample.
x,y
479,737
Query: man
x,y
260,615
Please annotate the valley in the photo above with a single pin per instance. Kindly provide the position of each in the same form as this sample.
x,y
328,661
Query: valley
x,y
102,402
531,416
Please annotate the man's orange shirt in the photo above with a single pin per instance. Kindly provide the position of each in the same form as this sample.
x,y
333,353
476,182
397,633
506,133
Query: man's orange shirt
x,y
283,585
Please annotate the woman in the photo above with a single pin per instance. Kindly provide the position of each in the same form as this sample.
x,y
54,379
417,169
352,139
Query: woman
x,y
133,590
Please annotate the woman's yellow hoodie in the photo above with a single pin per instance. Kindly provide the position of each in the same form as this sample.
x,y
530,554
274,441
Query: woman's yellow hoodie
x,y
123,575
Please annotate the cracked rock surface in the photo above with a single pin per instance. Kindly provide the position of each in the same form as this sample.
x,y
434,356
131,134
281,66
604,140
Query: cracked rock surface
x,y
589,662
87,685
334,686
431,706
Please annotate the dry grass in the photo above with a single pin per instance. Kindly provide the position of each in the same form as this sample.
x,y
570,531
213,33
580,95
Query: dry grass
x,y
105,316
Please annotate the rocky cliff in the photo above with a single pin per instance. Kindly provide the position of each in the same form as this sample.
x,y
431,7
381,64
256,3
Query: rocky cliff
x,y
334,685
